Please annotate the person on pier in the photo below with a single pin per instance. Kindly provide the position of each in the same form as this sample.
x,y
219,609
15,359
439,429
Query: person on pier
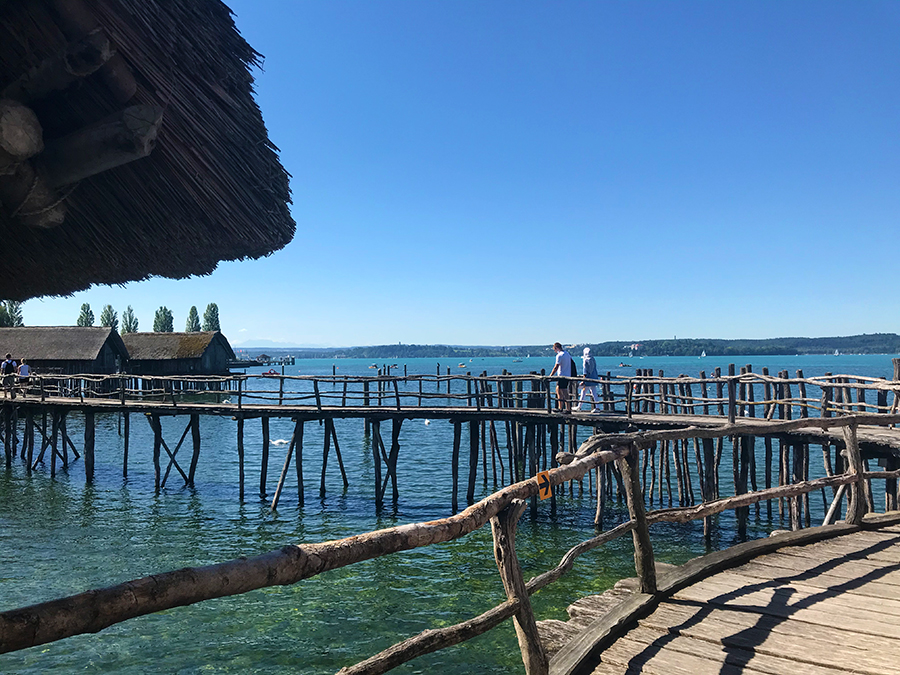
x,y
8,371
563,368
24,373
587,387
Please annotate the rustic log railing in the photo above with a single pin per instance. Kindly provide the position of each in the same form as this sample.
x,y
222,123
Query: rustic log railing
x,y
95,610
747,394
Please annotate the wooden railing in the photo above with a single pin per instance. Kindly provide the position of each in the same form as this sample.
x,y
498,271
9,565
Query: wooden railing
x,y
733,395
95,610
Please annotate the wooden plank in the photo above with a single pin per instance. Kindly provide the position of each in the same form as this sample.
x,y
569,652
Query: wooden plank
x,y
777,564
785,602
851,592
823,645
657,651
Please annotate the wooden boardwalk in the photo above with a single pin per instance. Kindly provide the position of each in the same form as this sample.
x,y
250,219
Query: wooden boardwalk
x,y
822,608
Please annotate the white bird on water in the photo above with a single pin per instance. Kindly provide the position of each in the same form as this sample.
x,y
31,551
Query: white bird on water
x,y
278,441
427,422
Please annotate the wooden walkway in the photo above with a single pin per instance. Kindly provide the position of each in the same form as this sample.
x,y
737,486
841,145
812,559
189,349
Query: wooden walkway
x,y
823,608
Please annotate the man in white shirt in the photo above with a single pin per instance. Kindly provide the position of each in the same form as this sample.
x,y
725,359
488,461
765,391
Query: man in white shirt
x,y
562,368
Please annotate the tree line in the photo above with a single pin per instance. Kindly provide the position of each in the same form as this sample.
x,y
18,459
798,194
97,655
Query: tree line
x,y
163,320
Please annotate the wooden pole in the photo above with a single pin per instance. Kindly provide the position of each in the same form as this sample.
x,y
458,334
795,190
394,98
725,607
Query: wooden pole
x,y
240,451
298,461
503,528
89,445
126,437
473,461
643,549
376,461
284,469
857,506
157,444
195,440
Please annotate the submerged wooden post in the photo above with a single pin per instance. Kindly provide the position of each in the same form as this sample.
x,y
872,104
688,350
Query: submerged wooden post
x,y
240,451
89,445
503,528
126,433
644,564
473,461
376,461
298,461
157,444
195,440
285,468
454,468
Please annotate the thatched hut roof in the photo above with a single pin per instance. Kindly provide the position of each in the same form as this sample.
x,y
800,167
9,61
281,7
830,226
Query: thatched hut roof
x,y
167,346
58,343
211,189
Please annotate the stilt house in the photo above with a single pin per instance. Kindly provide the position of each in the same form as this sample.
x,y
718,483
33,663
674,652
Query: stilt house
x,y
66,350
201,353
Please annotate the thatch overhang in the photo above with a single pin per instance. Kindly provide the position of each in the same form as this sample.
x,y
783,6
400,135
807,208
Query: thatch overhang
x,y
60,343
133,145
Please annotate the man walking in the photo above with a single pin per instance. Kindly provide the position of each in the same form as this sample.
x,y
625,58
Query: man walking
x,y
563,369
8,372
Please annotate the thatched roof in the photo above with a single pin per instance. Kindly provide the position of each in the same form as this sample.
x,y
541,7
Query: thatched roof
x,y
165,346
58,343
211,189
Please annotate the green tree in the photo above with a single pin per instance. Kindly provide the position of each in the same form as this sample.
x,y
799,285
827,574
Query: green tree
x,y
109,317
193,321
163,321
11,314
86,318
129,321
211,317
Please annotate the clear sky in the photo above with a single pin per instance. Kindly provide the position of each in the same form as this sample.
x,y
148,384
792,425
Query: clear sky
x,y
524,172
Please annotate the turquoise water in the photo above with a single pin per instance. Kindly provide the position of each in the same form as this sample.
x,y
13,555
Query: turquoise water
x,y
60,536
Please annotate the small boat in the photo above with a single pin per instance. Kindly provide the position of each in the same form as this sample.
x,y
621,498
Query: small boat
x,y
624,365
461,365
837,353
373,366
517,360
703,354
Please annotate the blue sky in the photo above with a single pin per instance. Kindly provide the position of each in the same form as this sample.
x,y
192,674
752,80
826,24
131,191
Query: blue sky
x,y
524,172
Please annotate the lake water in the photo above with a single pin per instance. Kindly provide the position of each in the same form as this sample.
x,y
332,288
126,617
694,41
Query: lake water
x,y
60,536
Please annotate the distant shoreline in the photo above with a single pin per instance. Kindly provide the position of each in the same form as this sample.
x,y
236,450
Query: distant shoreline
x,y
876,343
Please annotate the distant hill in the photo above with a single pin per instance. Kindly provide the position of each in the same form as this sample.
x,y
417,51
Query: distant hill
x,y
876,343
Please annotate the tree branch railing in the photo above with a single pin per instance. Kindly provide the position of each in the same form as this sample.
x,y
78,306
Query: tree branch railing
x,y
95,610
729,396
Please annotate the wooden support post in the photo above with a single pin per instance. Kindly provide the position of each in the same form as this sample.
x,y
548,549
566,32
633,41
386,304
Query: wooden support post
x,y
54,440
717,374
503,528
473,462
326,447
298,461
29,440
644,563
7,434
329,426
376,461
126,437
240,451
157,445
284,469
89,446
195,439
319,398
396,423
857,506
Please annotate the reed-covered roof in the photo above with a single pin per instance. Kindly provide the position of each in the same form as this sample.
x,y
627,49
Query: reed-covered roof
x,y
81,204
59,343
167,346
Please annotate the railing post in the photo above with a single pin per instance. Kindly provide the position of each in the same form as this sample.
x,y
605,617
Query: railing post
x,y
732,394
630,387
281,390
397,393
503,527
239,382
857,506
319,398
644,563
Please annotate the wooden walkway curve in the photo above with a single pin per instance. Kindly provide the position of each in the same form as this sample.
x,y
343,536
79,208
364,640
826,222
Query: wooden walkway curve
x,y
823,608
